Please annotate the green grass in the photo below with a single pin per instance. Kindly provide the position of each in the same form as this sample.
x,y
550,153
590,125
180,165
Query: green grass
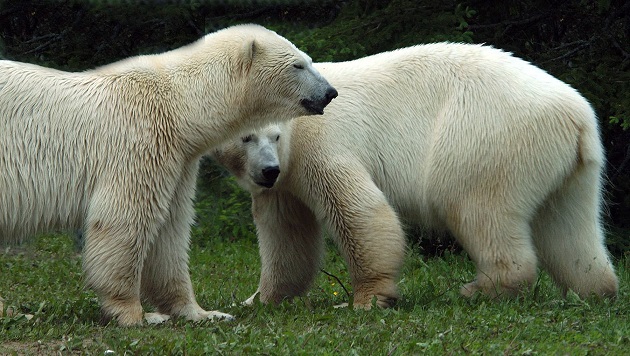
x,y
44,279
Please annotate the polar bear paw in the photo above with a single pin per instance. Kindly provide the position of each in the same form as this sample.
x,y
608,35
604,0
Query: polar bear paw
x,y
354,306
468,290
195,313
156,318
492,290
215,315
250,301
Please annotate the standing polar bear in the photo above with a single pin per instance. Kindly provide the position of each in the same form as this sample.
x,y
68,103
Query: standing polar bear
x,y
115,151
459,137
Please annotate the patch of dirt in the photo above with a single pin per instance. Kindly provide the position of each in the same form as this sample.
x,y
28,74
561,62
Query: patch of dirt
x,y
31,348
44,348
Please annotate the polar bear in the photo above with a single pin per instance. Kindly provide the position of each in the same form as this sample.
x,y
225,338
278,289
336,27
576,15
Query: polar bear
x,y
465,138
115,151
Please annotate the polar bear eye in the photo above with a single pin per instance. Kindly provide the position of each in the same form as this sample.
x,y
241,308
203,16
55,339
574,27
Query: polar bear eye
x,y
246,139
298,66
277,137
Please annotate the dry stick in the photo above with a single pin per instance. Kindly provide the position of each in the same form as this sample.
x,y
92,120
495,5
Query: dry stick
x,y
338,280
618,46
571,52
622,165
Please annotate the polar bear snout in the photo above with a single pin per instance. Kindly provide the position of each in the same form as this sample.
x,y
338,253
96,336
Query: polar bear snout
x,y
266,176
331,93
270,174
317,105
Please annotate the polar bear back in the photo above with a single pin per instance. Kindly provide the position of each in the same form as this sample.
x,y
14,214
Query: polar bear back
x,y
57,148
488,84
63,138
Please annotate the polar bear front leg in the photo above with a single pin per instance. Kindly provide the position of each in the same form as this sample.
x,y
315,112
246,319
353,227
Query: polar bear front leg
x,y
166,282
290,243
366,229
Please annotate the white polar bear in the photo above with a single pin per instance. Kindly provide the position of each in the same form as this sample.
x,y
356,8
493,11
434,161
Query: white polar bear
x,y
450,136
115,150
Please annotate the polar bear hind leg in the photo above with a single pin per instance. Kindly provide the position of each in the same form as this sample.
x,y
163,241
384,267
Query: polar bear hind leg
x,y
569,237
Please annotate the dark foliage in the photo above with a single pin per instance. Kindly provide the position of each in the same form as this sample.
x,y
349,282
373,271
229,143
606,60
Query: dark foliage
x,y
75,35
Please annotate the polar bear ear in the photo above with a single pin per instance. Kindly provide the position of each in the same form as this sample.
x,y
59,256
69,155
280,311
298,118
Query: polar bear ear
x,y
249,51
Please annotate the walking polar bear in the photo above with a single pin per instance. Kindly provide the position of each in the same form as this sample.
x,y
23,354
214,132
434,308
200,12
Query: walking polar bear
x,y
115,151
451,136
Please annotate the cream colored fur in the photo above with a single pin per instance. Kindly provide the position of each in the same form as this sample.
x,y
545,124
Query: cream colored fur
x,y
459,137
115,151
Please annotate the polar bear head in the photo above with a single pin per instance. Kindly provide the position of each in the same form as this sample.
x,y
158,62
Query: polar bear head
x,y
256,159
230,82
258,76
279,76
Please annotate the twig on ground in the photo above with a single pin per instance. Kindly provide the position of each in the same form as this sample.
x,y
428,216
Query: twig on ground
x,y
338,280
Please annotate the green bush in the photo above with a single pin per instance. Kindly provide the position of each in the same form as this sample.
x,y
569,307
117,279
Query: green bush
x,y
223,208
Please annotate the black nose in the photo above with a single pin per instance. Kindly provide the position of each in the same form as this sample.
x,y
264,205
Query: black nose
x,y
331,93
271,173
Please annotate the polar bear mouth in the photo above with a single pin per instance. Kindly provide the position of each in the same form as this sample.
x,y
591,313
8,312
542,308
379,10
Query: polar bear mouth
x,y
313,107
266,184
317,106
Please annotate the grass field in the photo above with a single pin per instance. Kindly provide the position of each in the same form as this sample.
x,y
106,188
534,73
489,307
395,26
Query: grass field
x,y
44,279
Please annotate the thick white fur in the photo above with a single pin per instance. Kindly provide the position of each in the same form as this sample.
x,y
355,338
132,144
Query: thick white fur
x,y
115,151
451,136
